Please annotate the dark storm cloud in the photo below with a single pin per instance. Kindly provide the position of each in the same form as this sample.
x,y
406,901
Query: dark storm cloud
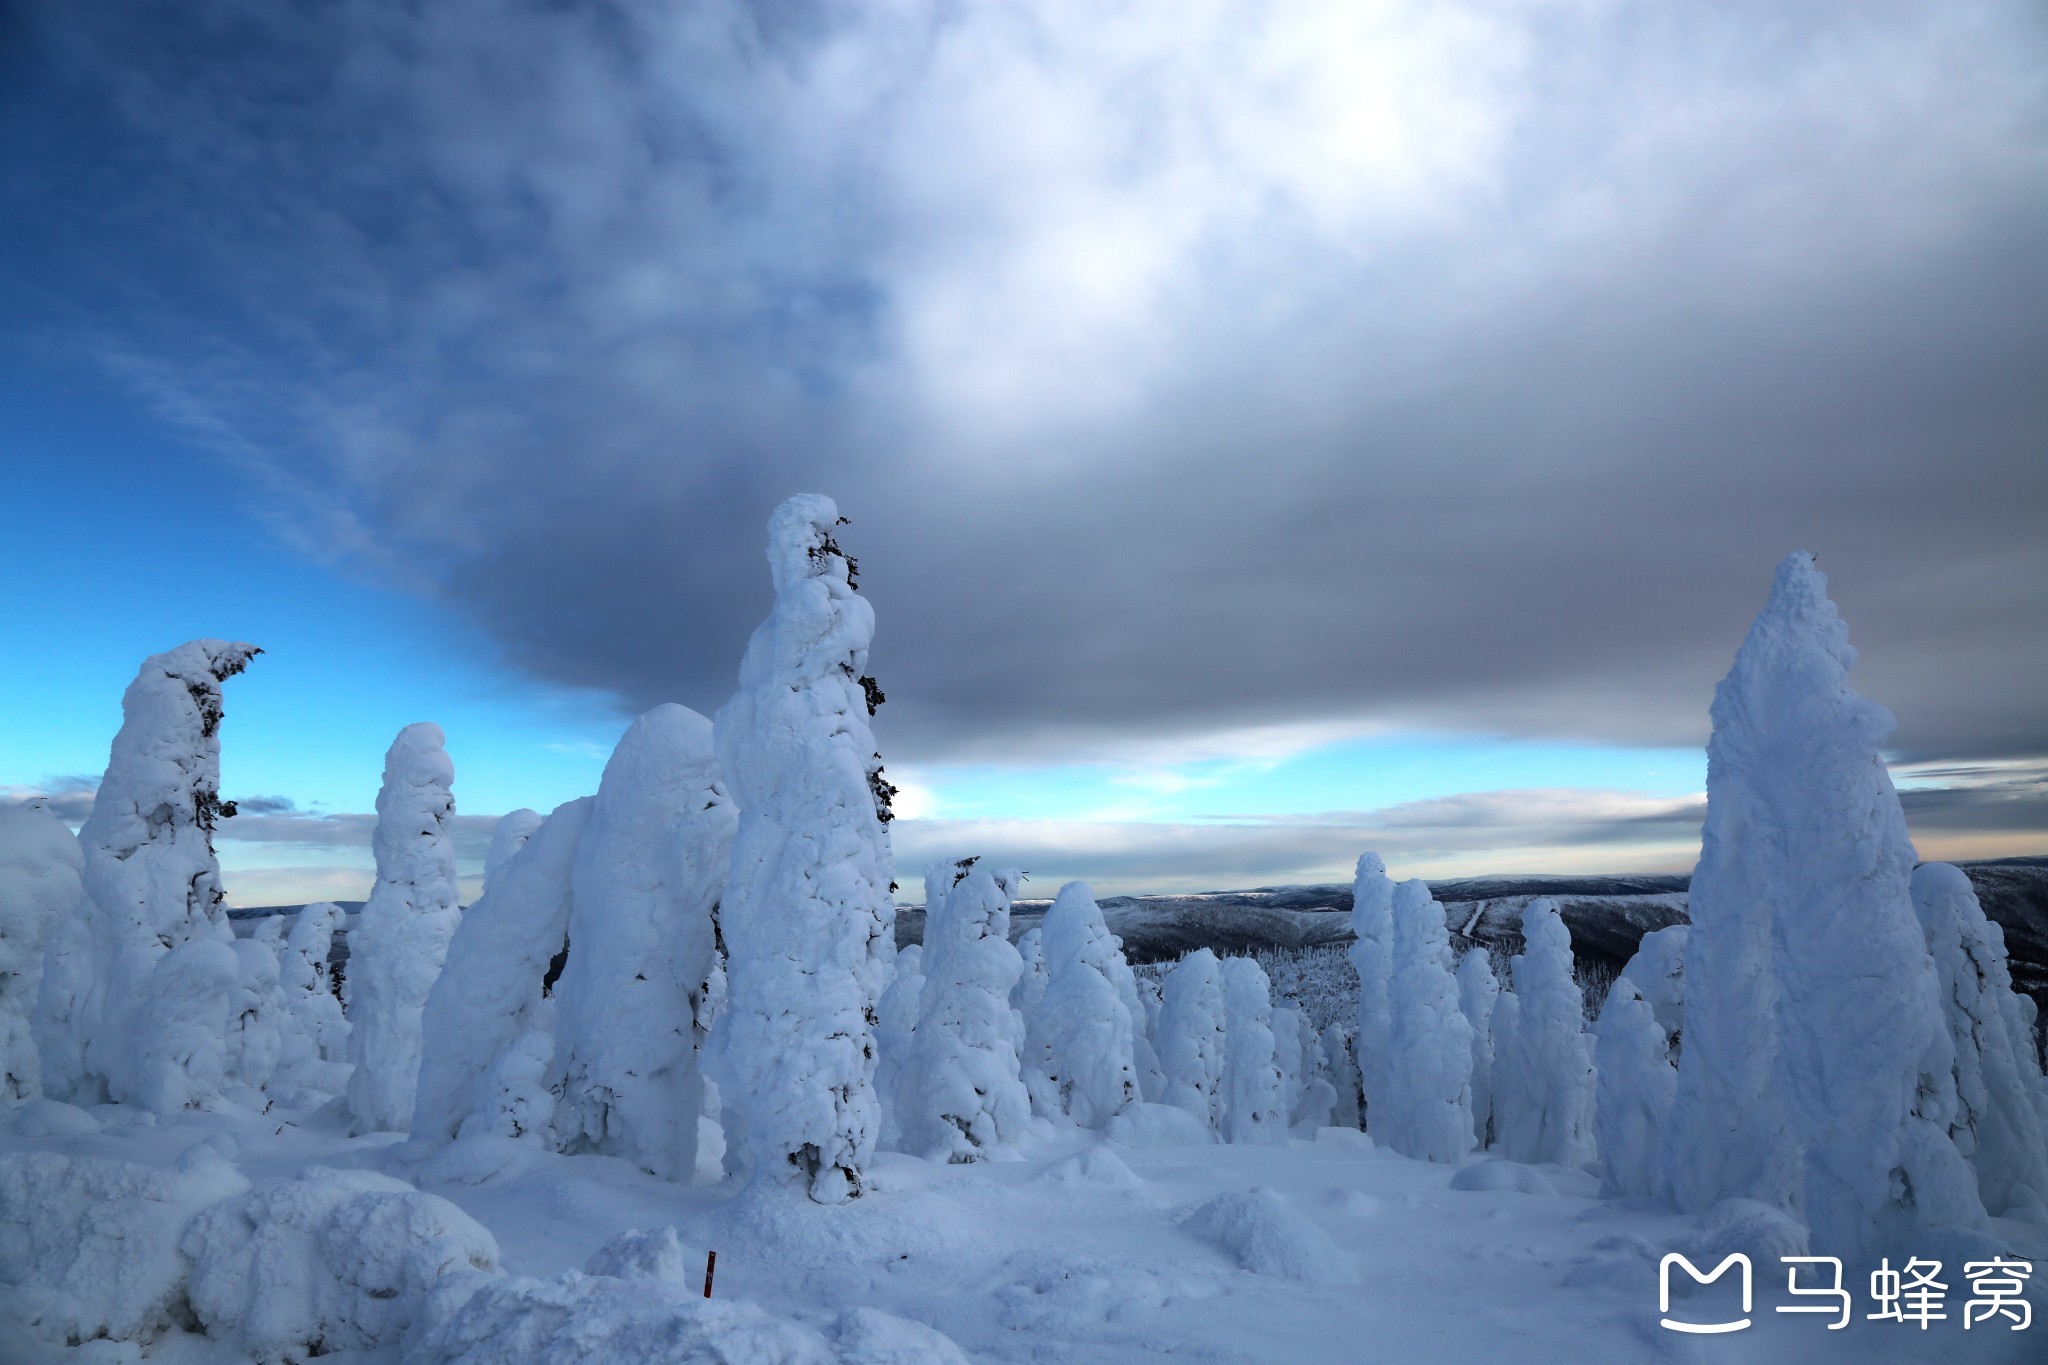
x,y
1460,366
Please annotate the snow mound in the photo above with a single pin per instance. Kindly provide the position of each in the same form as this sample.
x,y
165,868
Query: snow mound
x,y
1096,1166
1749,1226
583,1319
637,1255
1270,1238
1073,1294
89,1246
330,1260
1158,1125
1501,1175
53,1118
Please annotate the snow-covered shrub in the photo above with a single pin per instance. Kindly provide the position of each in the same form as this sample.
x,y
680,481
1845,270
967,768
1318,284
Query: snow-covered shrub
x,y
1635,1079
807,909
1816,1060
966,1096
40,887
1191,1037
1253,1110
399,941
1477,994
1543,1069
2000,1125
490,992
631,1001
1372,957
1081,1041
136,1001
330,1261
1426,1105
314,1047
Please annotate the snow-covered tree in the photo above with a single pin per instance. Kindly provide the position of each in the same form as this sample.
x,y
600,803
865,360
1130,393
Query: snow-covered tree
x,y
1081,1038
1477,993
1144,1059
807,906
2000,1125
1253,1108
1657,971
895,1037
966,1095
1815,1063
508,836
1305,1081
1427,1109
315,1043
1031,985
1191,1037
257,1015
139,984
491,991
1635,1079
1347,1110
1543,1069
630,1004
399,941
40,887
1372,920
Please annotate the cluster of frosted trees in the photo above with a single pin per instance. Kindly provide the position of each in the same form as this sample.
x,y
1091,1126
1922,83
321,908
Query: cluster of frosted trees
x,y
710,937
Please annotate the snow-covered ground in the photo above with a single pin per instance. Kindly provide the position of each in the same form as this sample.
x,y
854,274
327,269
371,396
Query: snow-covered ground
x,y
1080,1248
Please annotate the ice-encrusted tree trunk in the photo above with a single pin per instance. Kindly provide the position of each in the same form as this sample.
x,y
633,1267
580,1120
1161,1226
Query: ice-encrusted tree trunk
x,y
1191,1037
1081,1040
1372,955
895,1039
40,889
1253,1109
508,836
401,937
146,972
630,1005
1477,994
1543,1071
1815,1062
1427,1111
807,905
1999,1124
315,1043
491,992
1635,1079
967,1096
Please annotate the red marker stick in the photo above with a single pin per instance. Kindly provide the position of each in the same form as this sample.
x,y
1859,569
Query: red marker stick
x,y
710,1264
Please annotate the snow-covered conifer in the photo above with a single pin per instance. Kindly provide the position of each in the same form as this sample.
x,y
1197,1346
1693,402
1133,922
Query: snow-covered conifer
x,y
1427,1111
1144,1059
1477,994
1999,1124
807,906
145,973
1082,1038
895,1037
966,1096
1372,920
1252,1105
315,1042
399,941
1347,1110
630,1004
1031,985
1543,1071
1816,1061
1657,971
256,1018
1286,1022
1314,1096
491,990
1191,1037
40,888
508,836
1634,1085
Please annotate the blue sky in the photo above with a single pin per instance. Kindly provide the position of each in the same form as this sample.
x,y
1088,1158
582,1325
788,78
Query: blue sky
x,y
1267,436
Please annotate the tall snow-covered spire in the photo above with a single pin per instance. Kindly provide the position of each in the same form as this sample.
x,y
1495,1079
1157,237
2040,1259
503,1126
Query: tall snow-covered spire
x,y
401,937
40,890
1543,1080
966,1096
1372,955
649,870
151,963
1081,1036
1426,1111
807,905
1815,1060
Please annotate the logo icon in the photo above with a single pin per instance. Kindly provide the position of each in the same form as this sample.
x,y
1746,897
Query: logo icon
x,y
1701,1328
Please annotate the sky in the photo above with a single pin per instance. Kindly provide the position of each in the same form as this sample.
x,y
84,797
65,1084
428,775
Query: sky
x,y
1269,432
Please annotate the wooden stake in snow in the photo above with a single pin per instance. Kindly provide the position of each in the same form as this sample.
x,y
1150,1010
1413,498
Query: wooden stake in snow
x,y
710,1264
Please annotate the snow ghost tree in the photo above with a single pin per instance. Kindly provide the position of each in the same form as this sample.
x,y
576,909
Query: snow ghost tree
x,y
1347,1110
1427,1111
1816,1065
40,886
399,941
1081,1038
1477,993
1372,920
508,836
807,909
491,993
1657,971
1310,1095
631,1003
1635,1079
316,1035
256,1014
895,1036
1543,1068
1144,1060
1191,1037
2000,1125
143,977
965,1094
1253,1109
